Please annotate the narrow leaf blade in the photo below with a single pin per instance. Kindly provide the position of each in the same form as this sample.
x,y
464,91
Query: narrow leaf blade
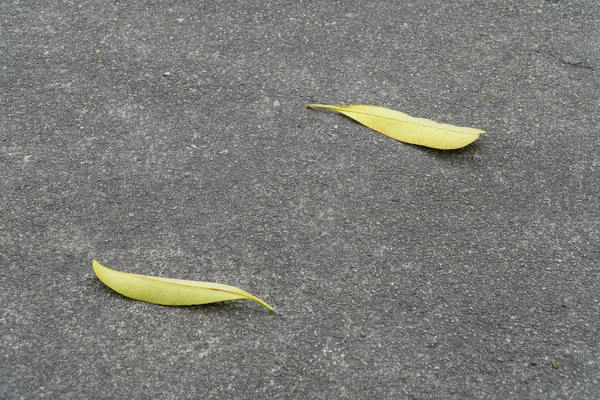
x,y
403,127
168,291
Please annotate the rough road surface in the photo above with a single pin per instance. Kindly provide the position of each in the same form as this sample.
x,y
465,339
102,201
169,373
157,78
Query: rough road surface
x,y
171,138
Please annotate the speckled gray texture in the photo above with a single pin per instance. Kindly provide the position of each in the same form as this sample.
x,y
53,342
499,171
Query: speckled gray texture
x,y
171,138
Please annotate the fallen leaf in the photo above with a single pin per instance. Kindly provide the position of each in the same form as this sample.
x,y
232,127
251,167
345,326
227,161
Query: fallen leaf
x,y
168,291
403,127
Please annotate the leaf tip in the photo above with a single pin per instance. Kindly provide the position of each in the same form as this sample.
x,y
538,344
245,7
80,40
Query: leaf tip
x,y
265,305
313,106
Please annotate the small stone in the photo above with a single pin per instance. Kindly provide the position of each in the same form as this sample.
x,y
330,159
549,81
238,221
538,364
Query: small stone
x,y
276,103
167,74
568,59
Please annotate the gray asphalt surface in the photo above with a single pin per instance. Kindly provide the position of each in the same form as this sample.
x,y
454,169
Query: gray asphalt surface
x,y
171,138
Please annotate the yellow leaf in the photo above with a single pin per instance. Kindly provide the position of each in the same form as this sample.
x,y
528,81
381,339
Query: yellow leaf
x,y
169,292
403,127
